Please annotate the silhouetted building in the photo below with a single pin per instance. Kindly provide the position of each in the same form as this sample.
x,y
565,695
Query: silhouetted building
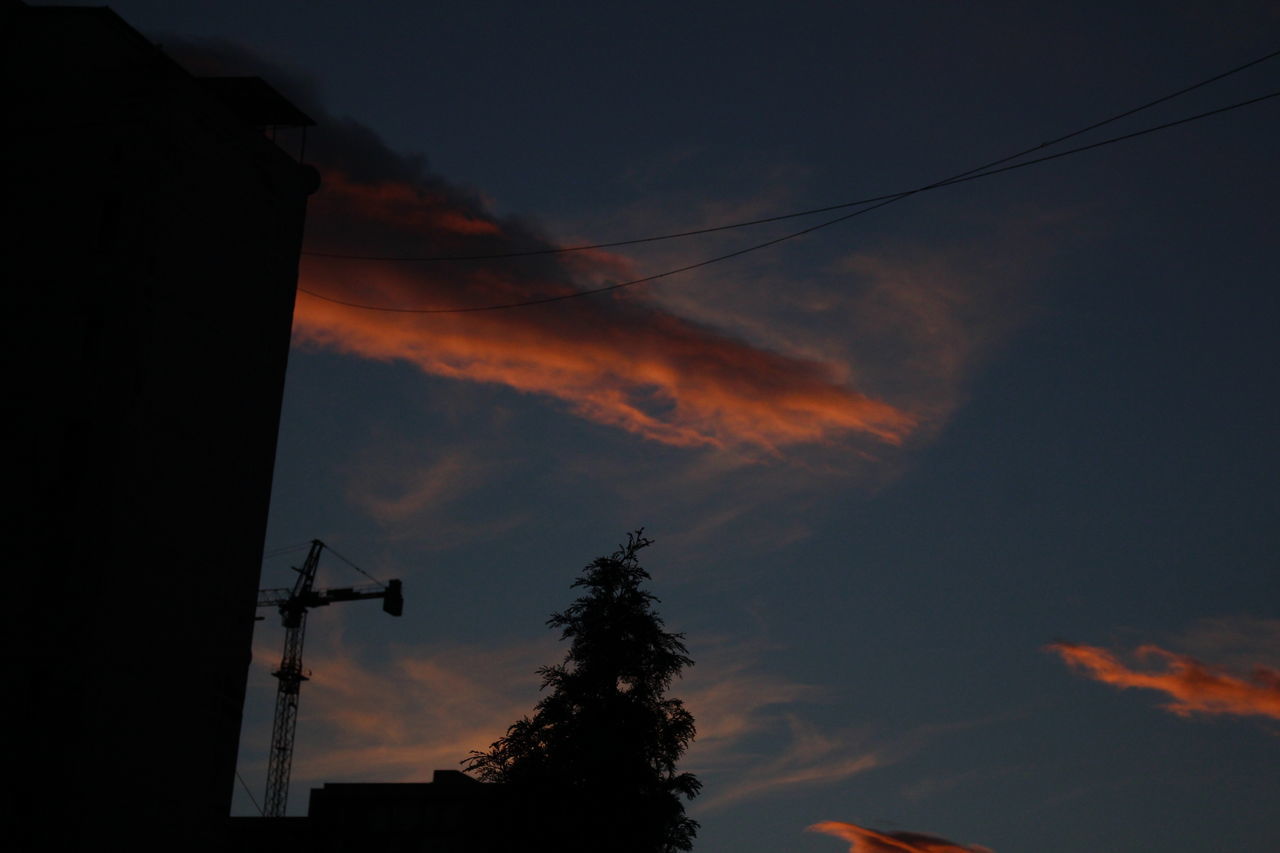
x,y
153,244
453,813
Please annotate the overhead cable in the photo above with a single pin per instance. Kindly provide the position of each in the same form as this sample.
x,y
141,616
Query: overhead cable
x,y
810,212
963,177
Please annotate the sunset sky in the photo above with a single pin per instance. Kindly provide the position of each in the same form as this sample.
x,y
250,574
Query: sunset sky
x,y
967,506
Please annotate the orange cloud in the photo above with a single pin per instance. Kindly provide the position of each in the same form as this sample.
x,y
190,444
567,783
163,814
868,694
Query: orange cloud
x,y
864,840
1195,687
643,371
401,204
615,360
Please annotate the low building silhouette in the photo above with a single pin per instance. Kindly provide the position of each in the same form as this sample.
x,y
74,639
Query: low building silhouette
x,y
151,265
453,813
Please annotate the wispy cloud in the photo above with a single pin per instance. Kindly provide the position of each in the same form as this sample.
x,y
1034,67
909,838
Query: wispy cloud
x,y
1196,688
417,490
732,702
933,785
800,755
753,736
393,494
907,321
424,710
865,840
426,707
809,756
1240,642
926,318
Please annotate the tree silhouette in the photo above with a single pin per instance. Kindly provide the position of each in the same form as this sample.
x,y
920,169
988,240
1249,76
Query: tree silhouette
x,y
599,753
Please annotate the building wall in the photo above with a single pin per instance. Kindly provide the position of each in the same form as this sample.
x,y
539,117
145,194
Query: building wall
x,y
150,283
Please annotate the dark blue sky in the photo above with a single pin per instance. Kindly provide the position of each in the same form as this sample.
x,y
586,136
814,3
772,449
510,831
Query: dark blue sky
x,y
884,465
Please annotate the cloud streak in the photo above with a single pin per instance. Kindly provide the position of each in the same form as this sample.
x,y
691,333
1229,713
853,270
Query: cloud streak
x,y
865,840
617,363
810,757
1194,687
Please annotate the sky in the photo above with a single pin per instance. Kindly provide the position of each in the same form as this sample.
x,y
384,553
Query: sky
x,y
966,504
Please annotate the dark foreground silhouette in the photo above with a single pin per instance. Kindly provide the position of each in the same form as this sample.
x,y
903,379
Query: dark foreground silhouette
x,y
597,760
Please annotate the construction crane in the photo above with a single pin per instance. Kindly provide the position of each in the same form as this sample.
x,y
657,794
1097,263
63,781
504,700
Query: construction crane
x,y
294,604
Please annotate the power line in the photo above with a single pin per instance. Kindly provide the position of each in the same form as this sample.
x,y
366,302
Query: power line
x,y
810,212
963,177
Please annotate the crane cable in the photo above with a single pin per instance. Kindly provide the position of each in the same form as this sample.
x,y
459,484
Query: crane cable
x,y
276,552
285,549
354,566
252,798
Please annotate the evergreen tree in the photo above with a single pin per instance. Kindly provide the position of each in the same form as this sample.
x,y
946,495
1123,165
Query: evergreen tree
x,y
599,753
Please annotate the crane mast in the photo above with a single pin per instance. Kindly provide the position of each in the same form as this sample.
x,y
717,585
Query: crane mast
x,y
293,605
